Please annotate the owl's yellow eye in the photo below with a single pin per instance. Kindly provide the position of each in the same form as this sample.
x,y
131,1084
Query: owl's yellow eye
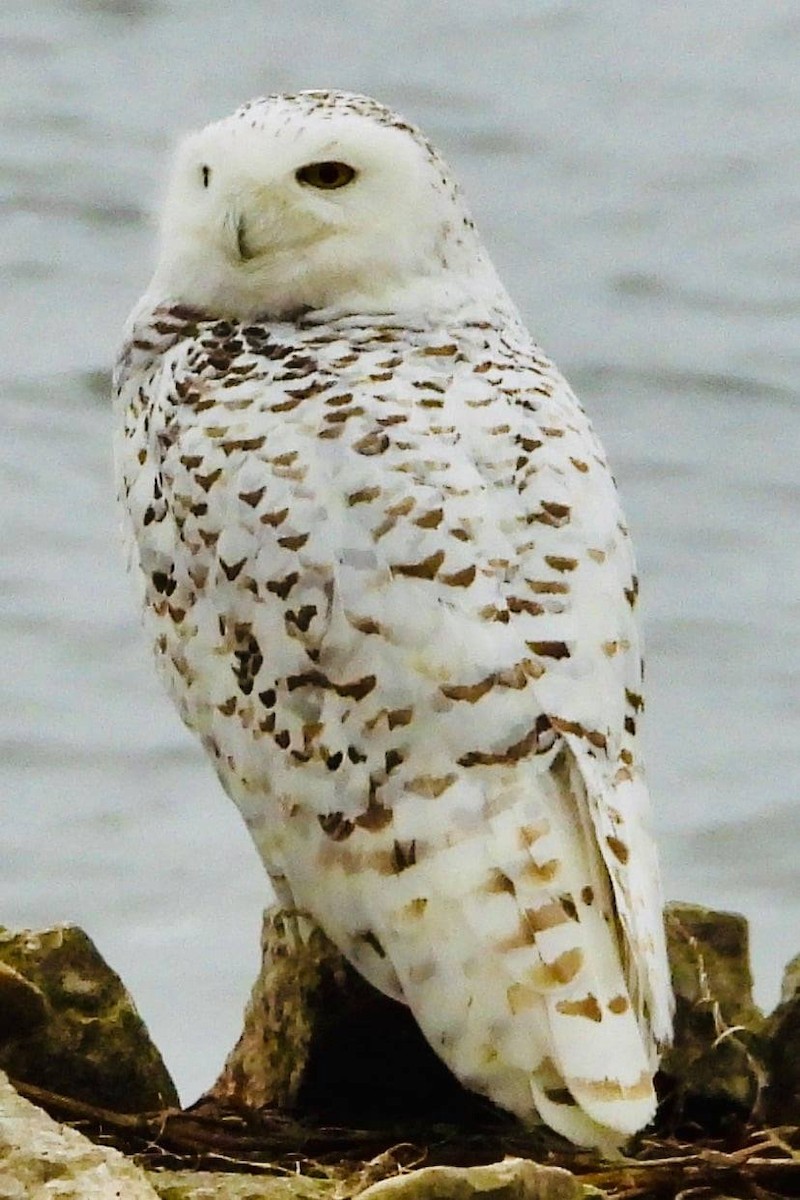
x,y
326,175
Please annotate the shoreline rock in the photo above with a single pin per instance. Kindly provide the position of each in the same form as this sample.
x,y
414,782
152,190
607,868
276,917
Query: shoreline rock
x,y
62,1007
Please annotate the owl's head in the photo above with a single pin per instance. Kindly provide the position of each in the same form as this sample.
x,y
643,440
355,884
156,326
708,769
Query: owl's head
x,y
320,200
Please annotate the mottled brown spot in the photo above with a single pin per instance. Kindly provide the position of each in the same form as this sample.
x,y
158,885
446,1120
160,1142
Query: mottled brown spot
x,y
294,541
191,461
548,587
356,690
440,351
341,415
284,406
164,584
587,895
549,649
593,736
313,389
612,1089
559,563
252,498
275,518
254,443
618,1004
563,969
399,716
579,464
372,444
490,612
430,786
375,817
335,826
302,618
499,884
471,692
416,908
363,496
232,570
282,587
522,937
426,569
634,699
392,759
516,604
547,916
597,556
404,855
530,833
368,938
618,849
535,741
544,872
460,578
207,481
228,708
395,419
364,624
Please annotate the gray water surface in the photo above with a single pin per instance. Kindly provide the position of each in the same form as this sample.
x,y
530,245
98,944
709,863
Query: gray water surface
x,y
634,170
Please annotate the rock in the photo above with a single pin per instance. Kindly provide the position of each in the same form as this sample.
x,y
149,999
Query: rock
x,y
717,1064
783,1028
266,1066
41,1160
81,1035
513,1179
23,1007
216,1185
320,1041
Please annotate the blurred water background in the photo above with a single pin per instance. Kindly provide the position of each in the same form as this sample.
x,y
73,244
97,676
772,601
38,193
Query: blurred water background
x,y
634,168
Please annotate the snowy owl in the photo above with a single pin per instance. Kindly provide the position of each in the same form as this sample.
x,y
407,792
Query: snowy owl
x,y
389,585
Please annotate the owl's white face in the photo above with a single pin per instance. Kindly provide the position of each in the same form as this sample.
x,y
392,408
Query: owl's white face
x,y
286,206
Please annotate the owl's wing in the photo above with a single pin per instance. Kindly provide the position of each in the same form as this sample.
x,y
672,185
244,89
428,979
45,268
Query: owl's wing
x,y
390,601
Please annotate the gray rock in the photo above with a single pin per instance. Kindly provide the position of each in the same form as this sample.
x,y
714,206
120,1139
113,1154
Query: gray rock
x,y
41,1160
218,1185
513,1179
718,1061
23,1007
783,1029
70,1026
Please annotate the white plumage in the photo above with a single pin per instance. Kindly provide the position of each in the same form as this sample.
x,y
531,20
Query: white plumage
x,y
390,586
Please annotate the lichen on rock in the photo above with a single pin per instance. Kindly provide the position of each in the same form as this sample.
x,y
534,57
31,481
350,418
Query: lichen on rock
x,y
81,1035
717,1064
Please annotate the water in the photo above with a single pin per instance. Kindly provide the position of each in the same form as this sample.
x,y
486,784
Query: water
x,y
633,168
